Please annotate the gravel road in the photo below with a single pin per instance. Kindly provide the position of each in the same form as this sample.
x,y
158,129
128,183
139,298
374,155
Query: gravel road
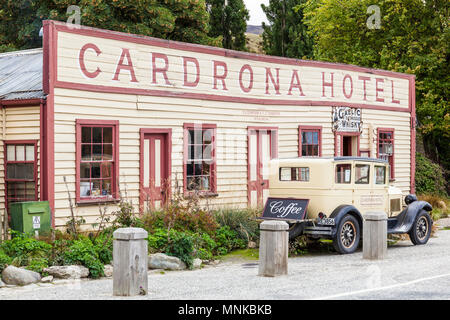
x,y
409,272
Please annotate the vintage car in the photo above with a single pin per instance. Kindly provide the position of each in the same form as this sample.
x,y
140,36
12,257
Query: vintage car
x,y
338,192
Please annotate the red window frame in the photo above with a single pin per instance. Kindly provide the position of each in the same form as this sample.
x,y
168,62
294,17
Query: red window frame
x,y
213,166
35,169
302,129
114,124
391,158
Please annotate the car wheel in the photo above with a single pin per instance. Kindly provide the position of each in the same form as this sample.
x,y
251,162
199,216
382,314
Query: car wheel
x,y
421,229
295,230
347,235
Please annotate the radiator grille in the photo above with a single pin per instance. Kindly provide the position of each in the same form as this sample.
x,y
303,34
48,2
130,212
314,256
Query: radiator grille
x,y
395,205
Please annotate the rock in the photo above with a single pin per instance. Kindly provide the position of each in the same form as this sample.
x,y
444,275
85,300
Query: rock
x,y
251,245
197,263
47,279
163,261
215,262
68,272
108,270
2,284
19,277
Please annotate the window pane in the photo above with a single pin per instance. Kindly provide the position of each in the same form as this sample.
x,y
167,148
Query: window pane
x,y
285,174
315,137
96,134
86,134
316,150
204,182
198,152
304,153
29,156
86,152
106,170
95,170
189,169
107,135
11,152
107,152
96,188
207,136
207,153
85,188
308,137
85,170
343,173
23,171
20,153
362,174
380,175
96,152
106,187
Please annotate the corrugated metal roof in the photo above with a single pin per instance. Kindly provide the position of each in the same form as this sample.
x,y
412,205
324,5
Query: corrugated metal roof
x,y
21,75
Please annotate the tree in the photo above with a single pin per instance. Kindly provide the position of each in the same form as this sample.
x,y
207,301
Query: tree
x,y
182,20
412,38
228,19
286,35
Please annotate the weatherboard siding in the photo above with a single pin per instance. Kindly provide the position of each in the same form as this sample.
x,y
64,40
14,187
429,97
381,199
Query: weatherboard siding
x,y
135,112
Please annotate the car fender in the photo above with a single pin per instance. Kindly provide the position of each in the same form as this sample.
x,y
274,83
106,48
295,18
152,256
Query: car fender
x,y
407,217
343,210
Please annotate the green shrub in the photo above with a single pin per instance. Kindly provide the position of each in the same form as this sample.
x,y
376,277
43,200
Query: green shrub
x,y
37,264
83,252
241,221
25,250
103,245
429,177
181,245
157,240
228,240
4,260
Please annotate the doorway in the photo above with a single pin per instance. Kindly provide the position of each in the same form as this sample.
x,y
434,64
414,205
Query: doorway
x,y
155,168
347,144
262,146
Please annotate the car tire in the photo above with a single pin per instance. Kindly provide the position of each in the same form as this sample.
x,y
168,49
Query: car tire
x,y
347,236
421,229
295,230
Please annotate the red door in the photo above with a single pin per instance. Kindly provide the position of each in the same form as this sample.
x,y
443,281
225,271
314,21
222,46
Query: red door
x,y
155,169
261,148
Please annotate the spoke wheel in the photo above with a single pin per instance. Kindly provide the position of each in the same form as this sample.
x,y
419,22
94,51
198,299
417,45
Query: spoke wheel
x,y
347,235
421,229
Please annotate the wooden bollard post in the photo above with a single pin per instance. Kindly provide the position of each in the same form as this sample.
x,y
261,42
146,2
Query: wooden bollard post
x,y
273,248
375,235
130,262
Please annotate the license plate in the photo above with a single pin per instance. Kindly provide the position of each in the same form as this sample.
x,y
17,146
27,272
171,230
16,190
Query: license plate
x,y
326,221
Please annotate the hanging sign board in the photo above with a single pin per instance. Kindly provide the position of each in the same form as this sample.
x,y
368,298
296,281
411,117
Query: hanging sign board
x,y
346,119
285,209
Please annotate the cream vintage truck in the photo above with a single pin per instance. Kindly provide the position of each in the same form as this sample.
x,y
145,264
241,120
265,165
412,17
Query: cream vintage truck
x,y
336,193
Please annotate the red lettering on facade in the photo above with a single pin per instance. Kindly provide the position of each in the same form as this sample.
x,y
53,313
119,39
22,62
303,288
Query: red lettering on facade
x,y
276,84
250,85
221,77
347,95
188,83
377,89
327,84
364,79
81,60
393,99
296,85
162,70
128,67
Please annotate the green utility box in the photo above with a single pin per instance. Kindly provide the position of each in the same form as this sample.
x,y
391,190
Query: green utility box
x,y
30,217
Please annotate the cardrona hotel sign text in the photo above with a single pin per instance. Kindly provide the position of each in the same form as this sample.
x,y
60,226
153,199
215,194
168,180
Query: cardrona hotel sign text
x,y
184,70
